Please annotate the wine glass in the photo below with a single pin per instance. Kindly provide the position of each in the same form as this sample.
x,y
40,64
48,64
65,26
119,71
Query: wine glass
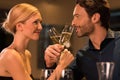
x,y
54,35
66,35
66,74
105,70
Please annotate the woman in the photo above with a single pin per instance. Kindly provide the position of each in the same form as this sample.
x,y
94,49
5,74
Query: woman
x,y
24,22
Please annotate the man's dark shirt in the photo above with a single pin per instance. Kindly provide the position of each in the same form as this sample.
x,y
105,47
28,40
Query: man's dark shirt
x,y
84,64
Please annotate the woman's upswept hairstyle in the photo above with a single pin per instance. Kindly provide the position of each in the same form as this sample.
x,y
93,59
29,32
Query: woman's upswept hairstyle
x,y
19,13
97,6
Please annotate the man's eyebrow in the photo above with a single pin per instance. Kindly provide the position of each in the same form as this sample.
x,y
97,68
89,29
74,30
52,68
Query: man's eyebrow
x,y
76,15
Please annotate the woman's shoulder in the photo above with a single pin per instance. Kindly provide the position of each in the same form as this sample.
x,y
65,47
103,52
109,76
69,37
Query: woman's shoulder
x,y
9,52
28,53
9,55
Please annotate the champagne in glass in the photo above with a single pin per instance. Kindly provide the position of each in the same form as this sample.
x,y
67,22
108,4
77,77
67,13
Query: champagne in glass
x,y
54,35
66,35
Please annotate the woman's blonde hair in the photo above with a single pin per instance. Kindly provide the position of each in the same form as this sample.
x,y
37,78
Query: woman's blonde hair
x,y
19,13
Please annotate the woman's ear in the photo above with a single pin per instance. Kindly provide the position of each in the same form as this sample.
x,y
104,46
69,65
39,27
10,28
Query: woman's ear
x,y
19,26
96,18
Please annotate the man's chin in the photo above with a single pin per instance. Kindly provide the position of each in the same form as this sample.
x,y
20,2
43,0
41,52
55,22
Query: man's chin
x,y
79,36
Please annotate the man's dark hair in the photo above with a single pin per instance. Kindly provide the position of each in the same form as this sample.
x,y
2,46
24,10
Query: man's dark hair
x,y
97,6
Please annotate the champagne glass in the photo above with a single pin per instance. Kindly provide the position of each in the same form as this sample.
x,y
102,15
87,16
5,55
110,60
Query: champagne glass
x,y
66,74
54,35
105,70
66,35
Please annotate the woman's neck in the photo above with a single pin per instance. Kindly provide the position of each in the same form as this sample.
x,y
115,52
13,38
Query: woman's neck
x,y
19,43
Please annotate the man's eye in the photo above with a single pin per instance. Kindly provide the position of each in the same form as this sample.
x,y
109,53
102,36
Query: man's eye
x,y
77,16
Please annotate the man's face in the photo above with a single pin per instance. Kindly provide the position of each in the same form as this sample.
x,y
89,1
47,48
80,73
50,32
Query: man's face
x,y
81,21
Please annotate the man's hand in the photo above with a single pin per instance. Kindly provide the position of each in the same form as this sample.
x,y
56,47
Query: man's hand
x,y
52,54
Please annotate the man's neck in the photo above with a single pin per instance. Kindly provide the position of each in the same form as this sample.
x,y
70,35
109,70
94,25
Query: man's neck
x,y
97,37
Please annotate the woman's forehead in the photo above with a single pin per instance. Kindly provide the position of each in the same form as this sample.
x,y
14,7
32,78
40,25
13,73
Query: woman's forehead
x,y
34,17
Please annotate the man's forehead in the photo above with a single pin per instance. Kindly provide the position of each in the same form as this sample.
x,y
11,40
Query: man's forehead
x,y
78,9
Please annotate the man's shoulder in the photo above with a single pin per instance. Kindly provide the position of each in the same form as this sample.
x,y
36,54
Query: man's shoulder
x,y
117,43
117,39
81,52
85,47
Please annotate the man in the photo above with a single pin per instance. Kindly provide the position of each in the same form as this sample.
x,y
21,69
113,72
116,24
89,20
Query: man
x,y
91,18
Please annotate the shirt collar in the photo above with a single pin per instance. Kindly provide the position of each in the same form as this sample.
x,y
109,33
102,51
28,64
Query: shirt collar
x,y
108,39
103,44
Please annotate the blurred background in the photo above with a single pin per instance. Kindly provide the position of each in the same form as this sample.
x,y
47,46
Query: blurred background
x,y
54,13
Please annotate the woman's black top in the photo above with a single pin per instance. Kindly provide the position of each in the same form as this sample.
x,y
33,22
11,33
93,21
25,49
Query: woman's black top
x,y
10,78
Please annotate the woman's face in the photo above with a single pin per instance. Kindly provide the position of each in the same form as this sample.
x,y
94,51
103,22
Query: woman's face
x,y
32,27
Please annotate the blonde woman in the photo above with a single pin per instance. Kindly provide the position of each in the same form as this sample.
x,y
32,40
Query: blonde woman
x,y
24,22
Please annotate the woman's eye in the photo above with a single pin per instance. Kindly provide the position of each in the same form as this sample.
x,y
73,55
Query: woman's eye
x,y
36,22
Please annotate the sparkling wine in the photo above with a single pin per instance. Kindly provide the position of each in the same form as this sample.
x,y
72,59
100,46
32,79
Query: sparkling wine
x,y
65,39
55,39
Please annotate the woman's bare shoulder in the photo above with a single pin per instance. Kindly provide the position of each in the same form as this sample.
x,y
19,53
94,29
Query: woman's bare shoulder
x,y
28,53
9,55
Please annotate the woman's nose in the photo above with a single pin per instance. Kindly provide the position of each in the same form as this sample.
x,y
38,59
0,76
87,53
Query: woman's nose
x,y
40,26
